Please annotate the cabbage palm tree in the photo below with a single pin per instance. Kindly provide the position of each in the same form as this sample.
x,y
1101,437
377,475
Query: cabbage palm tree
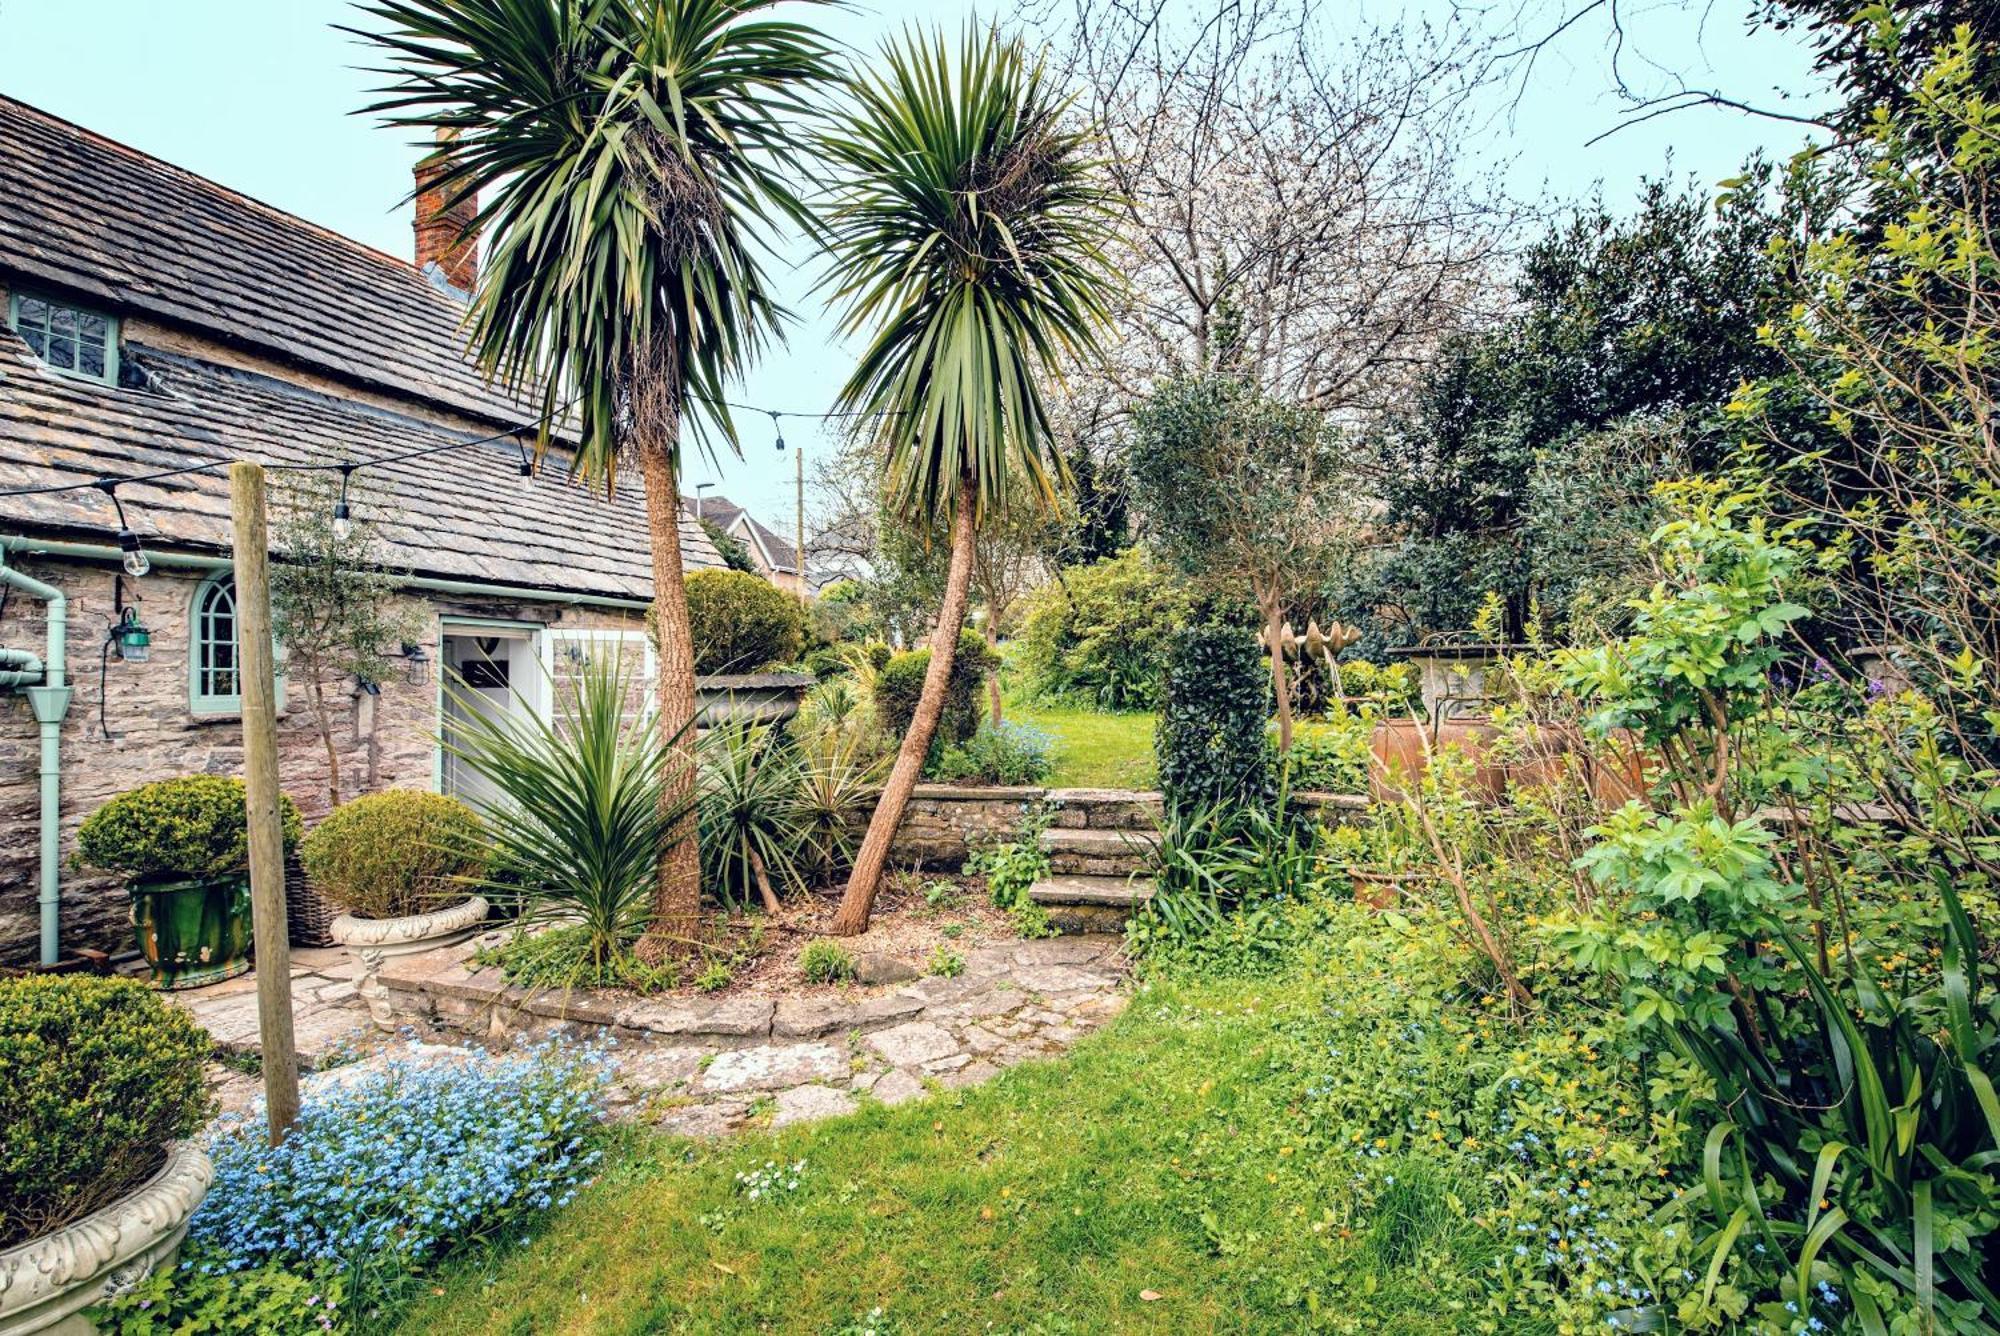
x,y
967,229
632,154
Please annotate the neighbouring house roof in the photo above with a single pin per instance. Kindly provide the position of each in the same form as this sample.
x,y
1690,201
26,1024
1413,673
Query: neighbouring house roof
x,y
82,215
778,555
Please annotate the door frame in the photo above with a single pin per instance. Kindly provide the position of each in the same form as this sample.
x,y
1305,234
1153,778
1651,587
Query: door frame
x,y
532,632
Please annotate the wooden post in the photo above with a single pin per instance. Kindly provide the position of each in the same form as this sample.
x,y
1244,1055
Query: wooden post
x,y
269,930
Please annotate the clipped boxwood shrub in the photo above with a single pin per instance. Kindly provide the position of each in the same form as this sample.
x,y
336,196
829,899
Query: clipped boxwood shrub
x,y
1211,740
389,855
96,1077
185,829
901,682
741,622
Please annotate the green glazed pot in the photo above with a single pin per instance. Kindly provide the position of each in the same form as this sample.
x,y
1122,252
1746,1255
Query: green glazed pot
x,y
193,932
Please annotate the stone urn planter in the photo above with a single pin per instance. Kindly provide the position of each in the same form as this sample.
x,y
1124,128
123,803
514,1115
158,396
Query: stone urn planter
x,y
377,940
1454,678
47,1283
762,698
192,932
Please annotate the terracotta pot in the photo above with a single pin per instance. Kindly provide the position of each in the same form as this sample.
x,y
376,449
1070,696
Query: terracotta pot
x,y
1402,748
1620,769
1377,890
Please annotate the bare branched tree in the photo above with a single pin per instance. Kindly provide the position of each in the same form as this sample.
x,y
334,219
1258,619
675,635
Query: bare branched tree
x,y
1301,199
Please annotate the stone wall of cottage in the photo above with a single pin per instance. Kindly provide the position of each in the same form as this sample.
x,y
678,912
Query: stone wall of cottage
x,y
132,722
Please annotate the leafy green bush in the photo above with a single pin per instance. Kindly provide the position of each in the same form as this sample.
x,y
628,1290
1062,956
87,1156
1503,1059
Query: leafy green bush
x,y
1099,635
96,1077
825,962
189,828
1012,866
1330,755
1211,739
742,622
900,683
1012,753
389,855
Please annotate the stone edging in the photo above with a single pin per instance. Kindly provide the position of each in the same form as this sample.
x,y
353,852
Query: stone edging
x,y
46,1280
438,985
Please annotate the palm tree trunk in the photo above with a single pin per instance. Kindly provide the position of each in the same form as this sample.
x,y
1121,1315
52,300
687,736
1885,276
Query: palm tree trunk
x,y
677,892
859,897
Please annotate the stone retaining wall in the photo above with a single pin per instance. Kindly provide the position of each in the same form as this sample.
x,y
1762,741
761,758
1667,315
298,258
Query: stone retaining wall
x,y
945,822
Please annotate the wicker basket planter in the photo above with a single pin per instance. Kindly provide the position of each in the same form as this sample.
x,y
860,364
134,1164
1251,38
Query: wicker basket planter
x,y
309,915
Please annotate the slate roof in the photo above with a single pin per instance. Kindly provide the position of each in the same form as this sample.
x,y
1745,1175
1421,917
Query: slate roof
x,y
734,519
83,214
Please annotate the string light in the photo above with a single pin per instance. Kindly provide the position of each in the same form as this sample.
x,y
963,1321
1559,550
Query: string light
x,y
343,519
778,428
135,560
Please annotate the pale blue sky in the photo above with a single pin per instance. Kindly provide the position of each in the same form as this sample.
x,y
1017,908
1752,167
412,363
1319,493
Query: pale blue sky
x,y
257,94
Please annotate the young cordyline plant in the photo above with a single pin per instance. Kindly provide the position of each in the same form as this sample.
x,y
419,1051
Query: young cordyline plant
x,y
577,831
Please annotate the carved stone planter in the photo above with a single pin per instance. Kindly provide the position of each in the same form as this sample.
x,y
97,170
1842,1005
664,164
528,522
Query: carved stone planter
x,y
762,698
47,1283
377,940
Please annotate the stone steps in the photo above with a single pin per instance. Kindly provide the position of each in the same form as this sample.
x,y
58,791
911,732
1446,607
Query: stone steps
x,y
1105,809
1089,852
1081,903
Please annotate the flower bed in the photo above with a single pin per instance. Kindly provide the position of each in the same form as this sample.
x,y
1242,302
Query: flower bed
x,y
384,1173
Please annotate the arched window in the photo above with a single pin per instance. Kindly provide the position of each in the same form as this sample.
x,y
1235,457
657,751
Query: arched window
x,y
215,684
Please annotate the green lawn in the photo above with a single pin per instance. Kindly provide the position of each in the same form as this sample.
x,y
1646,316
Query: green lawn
x,y
1226,1157
1093,750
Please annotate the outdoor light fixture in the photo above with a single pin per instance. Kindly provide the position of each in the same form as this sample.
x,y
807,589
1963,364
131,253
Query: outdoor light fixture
x,y
135,641
135,560
343,519
777,427
416,664
527,464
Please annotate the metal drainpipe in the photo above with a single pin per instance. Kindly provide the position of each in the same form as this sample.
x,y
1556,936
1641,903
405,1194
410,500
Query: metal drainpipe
x,y
50,702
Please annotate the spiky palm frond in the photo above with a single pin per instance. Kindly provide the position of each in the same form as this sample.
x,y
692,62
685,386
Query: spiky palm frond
x,y
631,156
967,227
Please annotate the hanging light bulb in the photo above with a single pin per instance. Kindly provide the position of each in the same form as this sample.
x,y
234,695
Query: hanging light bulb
x,y
136,562
343,519
777,427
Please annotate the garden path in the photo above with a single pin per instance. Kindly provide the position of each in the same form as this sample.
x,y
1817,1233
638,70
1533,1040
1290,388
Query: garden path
x,y
802,1060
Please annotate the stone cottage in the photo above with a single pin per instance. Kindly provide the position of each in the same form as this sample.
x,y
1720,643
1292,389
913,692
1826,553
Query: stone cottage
x,y
154,320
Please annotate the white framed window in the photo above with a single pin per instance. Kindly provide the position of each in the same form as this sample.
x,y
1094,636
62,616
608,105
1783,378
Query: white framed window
x,y
568,652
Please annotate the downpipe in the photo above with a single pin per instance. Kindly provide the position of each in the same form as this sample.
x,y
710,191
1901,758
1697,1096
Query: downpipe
x,y
50,702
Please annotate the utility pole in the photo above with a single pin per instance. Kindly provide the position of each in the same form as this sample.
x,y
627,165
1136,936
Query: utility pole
x,y
269,931
799,462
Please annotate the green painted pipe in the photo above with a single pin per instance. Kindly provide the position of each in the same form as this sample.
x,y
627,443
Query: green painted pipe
x,y
50,702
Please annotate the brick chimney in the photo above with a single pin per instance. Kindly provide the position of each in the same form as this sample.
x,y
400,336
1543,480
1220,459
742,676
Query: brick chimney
x,y
446,236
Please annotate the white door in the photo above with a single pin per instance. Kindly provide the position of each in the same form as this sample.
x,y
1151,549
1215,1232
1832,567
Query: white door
x,y
495,673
